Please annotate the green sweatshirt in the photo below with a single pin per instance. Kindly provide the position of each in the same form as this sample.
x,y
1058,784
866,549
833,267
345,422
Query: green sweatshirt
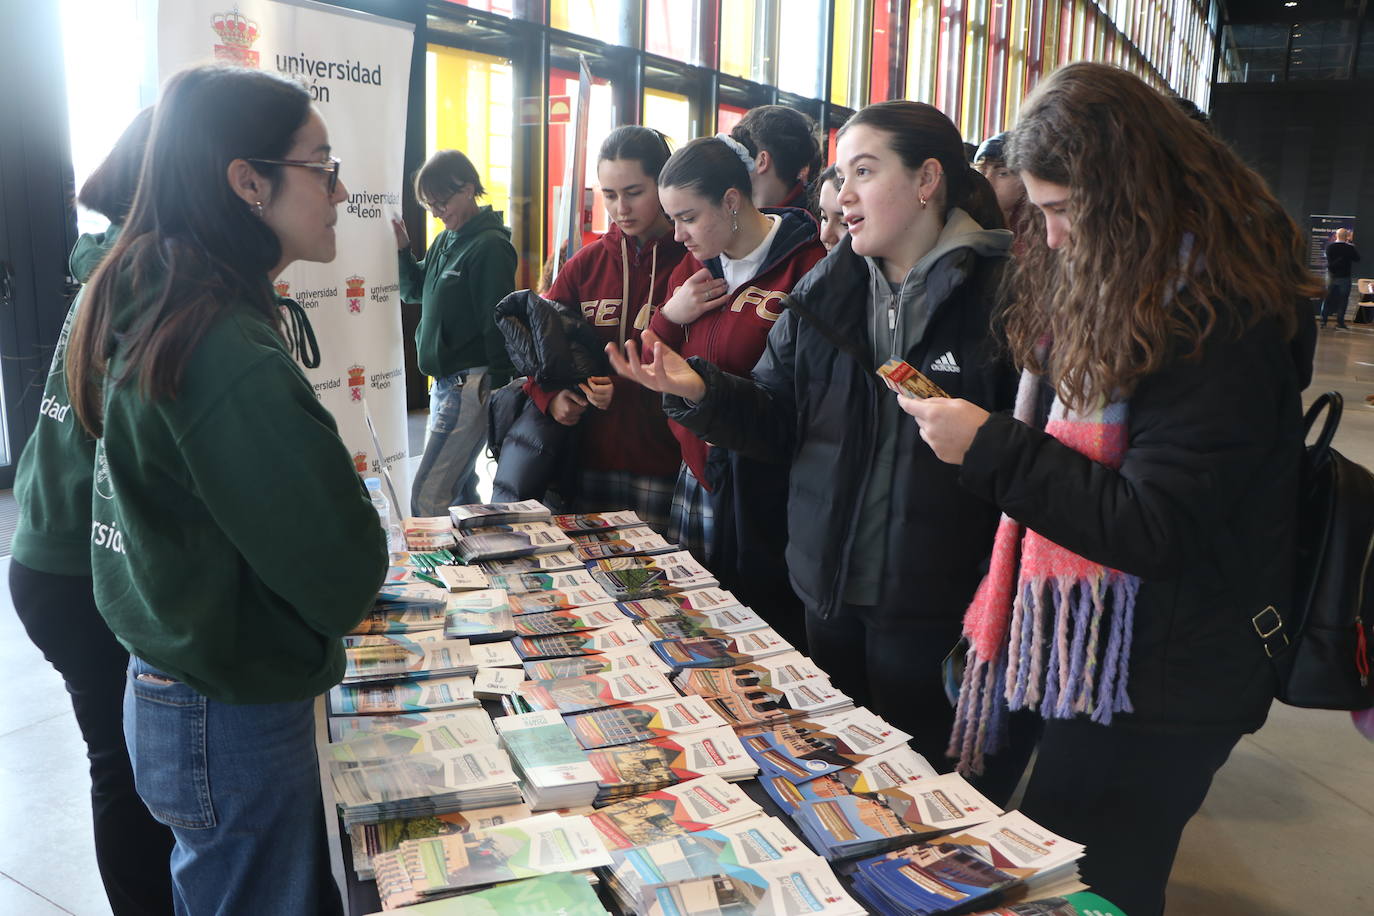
x,y
52,483
464,274
232,542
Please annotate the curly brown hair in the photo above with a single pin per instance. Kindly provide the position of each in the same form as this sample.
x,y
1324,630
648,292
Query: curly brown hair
x,y
1174,238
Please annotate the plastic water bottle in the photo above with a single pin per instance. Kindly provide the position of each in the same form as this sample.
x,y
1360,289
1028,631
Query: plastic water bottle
x,y
395,537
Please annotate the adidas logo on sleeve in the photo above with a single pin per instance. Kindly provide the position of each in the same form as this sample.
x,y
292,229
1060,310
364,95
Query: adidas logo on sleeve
x,y
946,363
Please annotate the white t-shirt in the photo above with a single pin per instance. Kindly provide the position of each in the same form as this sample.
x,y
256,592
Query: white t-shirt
x,y
743,269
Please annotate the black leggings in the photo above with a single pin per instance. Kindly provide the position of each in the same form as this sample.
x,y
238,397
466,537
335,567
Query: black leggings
x,y
893,667
1126,795
131,849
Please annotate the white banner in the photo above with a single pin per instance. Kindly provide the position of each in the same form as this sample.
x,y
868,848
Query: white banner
x,y
357,67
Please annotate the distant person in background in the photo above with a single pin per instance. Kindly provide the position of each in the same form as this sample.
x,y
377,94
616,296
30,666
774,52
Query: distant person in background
x,y
1340,254
470,266
826,194
991,162
787,157
51,586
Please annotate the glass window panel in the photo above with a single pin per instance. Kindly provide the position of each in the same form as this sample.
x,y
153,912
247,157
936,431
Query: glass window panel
x,y
670,114
975,69
880,68
949,76
472,96
922,57
499,7
562,121
727,116
610,21
842,52
739,24
672,29
801,47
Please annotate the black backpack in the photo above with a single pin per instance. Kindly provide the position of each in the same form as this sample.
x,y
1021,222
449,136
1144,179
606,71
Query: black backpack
x,y
1326,663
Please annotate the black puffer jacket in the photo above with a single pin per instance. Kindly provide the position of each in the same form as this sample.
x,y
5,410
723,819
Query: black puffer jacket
x,y
814,399
550,342
1203,510
554,345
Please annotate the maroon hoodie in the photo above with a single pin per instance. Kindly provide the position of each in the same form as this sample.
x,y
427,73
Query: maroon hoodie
x,y
632,435
733,335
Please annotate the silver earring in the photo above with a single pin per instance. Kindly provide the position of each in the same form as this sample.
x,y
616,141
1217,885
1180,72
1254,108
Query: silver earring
x,y
923,202
257,209
734,219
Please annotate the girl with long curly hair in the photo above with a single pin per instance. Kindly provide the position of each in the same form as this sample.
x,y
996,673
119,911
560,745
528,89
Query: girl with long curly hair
x,y
1148,475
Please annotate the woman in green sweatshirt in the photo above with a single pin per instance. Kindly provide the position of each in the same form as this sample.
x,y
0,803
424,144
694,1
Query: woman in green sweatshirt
x,y
469,267
232,544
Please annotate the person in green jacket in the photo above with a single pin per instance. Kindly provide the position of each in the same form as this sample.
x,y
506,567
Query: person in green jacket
x,y
470,266
232,544
51,585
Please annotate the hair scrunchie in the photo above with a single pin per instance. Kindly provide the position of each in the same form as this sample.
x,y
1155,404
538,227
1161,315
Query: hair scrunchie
x,y
740,150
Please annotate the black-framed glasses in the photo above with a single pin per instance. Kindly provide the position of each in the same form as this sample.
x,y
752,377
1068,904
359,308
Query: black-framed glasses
x,y
329,166
434,207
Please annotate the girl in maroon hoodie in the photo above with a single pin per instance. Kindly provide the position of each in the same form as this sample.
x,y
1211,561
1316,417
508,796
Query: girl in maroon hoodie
x,y
627,458
728,292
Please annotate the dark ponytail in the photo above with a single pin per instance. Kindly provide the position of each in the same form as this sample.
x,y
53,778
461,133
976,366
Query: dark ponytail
x,y
639,144
709,167
918,132
110,188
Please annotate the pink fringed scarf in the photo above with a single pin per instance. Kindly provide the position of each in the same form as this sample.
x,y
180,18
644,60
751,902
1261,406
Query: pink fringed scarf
x,y
1046,628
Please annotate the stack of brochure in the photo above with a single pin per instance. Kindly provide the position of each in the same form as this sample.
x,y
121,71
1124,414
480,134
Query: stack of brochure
x,y
553,767
555,561
697,599
423,785
412,608
803,749
850,826
715,624
562,893
572,620
481,616
722,652
598,521
516,540
446,865
521,583
401,697
676,875
368,840
705,803
560,599
480,515
591,642
473,729
634,722
766,690
627,659
398,660
620,542
627,770
424,534
591,691
969,870
343,728
627,578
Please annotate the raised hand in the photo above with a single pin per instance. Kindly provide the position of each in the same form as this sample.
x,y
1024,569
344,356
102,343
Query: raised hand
x,y
598,390
699,294
665,370
402,236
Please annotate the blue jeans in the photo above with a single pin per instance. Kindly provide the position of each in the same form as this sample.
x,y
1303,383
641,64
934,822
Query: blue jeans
x,y
1337,297
454,438
240,788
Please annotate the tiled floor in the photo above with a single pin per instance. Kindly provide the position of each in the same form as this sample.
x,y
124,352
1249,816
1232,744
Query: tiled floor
x,y
1286,829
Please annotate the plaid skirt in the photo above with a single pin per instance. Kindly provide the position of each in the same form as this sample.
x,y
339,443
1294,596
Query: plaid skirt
x,y
690,523
606,491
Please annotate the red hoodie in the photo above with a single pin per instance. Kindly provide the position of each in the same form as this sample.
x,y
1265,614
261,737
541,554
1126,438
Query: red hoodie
x,y
733,336
633,434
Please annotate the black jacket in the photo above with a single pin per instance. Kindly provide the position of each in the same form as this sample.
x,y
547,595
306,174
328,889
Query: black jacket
x,y
813,399
1203,510
554,345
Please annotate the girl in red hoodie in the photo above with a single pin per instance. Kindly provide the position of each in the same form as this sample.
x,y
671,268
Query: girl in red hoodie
x,y
626,457
728,292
